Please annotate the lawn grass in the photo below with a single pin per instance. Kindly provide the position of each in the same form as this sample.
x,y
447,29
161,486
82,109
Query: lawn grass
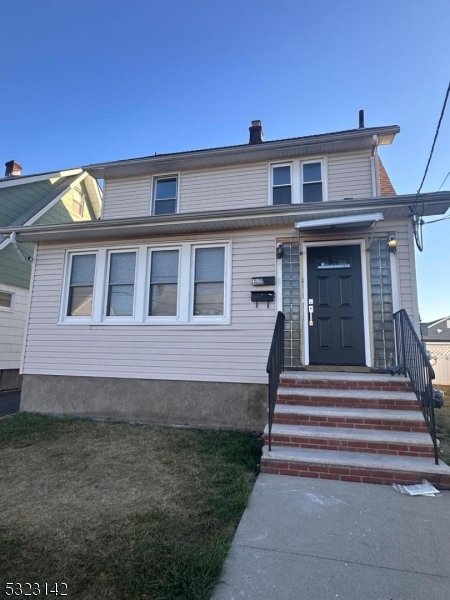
x,y
443,424
120,511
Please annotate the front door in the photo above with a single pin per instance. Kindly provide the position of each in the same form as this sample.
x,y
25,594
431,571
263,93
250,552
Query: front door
x,y
335,306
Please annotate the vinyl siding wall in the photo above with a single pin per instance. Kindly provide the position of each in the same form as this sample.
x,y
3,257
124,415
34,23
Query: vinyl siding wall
x,y
63,212
349,176
12,325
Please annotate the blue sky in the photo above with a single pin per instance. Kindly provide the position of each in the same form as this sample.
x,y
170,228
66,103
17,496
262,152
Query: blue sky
x,y
94,80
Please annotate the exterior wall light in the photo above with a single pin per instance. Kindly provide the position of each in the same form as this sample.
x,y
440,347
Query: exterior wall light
x,y
392,244
280,251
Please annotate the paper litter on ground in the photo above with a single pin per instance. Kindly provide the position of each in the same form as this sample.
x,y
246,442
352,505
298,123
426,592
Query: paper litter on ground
x,y
419,489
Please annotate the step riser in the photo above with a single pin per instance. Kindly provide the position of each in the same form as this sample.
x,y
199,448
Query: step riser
x,y
302,400
348,385
359,475
351,446
294,419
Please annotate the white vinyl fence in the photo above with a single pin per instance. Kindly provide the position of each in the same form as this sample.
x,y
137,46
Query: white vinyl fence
x,y
440,362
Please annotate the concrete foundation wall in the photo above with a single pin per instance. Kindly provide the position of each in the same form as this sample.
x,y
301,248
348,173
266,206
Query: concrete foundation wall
x,y
193,403
10,379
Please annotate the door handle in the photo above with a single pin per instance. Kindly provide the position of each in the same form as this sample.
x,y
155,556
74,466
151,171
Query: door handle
x,y
311,311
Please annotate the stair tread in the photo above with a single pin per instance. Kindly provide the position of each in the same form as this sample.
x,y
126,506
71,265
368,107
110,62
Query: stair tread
x,y
349,434
351,394
363,460
357,377
350,413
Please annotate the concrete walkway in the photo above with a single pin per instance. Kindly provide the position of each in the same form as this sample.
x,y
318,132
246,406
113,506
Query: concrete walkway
x,y
9,403
311,539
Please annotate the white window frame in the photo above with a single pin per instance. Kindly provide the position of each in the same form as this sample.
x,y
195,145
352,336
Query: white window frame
x,y
63,316
153,187
9,308
204,319
127,318
163,319
297,178
271,179
82,203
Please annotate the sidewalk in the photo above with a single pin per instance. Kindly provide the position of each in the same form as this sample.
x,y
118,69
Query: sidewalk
x,y
317,539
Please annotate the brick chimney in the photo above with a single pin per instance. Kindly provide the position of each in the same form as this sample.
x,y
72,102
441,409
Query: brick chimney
x,y
13,169
256,133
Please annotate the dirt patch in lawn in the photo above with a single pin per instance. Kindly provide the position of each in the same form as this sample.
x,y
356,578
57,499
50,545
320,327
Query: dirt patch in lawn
x,y
120,511
443,424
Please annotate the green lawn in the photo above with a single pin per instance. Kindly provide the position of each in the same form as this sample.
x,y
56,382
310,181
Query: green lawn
x,y
120,511
443,424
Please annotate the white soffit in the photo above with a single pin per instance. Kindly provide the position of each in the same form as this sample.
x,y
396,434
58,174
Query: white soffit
x,y
336,222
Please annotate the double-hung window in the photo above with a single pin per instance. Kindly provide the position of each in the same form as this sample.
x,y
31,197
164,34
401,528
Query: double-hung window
x,y
81,285
121,283
281,184
165,194
6,300
78,202
163,296
209,282
312,181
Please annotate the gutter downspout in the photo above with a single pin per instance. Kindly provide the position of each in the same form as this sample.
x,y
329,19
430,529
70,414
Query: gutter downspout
x,y
20,252
374,168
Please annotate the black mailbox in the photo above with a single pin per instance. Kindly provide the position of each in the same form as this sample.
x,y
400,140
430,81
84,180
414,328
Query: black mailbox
x,y
262,297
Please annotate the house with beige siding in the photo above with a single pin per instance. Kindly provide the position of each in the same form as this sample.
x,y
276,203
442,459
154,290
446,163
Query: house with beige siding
x,y
152,313
48,198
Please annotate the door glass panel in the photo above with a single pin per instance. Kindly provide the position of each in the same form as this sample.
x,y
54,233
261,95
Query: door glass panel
x,y
334,262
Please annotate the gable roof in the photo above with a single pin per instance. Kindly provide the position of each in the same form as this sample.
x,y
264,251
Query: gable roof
x,y
433,332
386,187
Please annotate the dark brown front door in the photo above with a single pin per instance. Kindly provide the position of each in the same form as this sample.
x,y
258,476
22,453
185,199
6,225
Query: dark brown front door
x,y
336,323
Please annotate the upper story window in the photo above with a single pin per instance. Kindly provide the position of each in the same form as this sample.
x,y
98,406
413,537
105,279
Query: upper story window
x,y
281,184
298,181
6,300
165,195
163,297
81,285
312,186
121,280
78,202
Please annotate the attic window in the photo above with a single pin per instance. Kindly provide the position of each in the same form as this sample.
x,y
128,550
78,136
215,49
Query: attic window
x,y
6,300
448,323
78,202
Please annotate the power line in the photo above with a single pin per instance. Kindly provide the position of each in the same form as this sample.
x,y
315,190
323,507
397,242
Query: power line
x,y
445,179
436,220
435,138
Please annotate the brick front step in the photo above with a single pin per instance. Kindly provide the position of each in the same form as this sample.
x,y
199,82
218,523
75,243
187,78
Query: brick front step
x,y
346,381
352,440
377,399
350,466
351,418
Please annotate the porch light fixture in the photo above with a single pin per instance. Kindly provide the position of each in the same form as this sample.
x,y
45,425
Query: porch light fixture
x,y
392,244
280,251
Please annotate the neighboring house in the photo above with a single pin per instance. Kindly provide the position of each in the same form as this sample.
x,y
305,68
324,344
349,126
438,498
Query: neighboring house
x,y
164,309
436,337
46,198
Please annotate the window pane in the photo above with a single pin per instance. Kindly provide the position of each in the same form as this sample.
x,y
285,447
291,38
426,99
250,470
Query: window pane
x,y
165,207
166,188
312,172
5,299
208,299
164,267
163,300
120,300
281,175
209,264
312,192
83,269
80,301
282,195
122,267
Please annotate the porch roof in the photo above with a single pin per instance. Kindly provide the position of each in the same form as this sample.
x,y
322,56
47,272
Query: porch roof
x,y
436,203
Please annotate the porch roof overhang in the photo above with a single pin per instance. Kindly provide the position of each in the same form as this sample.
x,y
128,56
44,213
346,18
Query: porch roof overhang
x,y
347,222
390,207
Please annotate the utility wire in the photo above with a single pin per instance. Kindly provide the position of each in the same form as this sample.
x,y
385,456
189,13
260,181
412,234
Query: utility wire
x,y
435,138
436,220
445,179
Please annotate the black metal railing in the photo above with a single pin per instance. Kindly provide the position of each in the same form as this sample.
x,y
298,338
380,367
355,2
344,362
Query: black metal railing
x,y
413,361
275,366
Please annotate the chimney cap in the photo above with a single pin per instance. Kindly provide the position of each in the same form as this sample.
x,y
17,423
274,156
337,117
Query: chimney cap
x,y
13,168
